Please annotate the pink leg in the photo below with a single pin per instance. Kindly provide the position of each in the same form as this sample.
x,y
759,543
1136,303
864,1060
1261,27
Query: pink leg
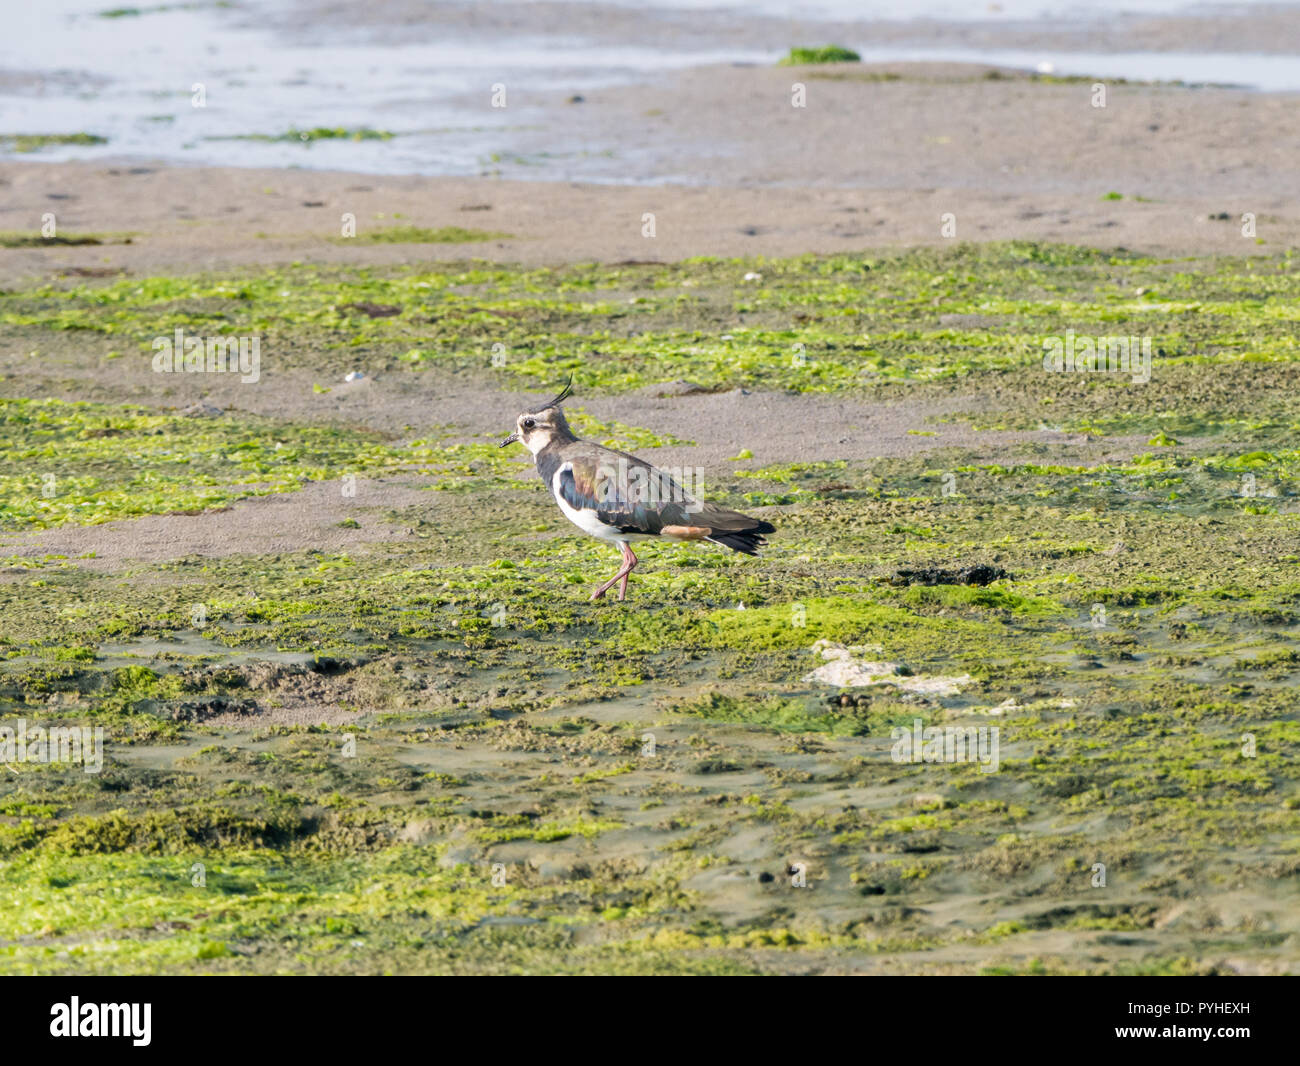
x,y
620,579
631,565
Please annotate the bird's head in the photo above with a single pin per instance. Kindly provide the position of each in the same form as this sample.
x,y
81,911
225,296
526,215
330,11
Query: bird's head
x,y
537,428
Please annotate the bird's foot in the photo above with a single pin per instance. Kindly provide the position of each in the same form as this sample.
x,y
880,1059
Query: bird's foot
x,y
620,580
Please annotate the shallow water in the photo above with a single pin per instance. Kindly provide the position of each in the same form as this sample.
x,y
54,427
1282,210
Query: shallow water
x,y
64,68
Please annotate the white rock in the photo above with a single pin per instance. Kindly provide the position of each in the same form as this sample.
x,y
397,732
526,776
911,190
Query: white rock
x,y
841,669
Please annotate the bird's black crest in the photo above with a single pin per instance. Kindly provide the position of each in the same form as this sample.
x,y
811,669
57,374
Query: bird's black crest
x,y
565,393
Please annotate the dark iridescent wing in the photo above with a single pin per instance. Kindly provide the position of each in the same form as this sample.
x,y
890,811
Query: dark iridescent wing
x,y
626,493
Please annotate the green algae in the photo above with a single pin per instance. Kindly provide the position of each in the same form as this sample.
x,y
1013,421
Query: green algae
x,y
423,235
619,435
36,240
32,142
137,12
143,915
918,323
90,463
501,719
829,53
314,133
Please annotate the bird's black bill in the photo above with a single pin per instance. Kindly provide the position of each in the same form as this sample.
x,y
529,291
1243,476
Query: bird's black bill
x,y
509,440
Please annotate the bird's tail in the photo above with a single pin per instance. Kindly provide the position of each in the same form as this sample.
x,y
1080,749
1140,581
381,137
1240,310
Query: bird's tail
x,y
746,541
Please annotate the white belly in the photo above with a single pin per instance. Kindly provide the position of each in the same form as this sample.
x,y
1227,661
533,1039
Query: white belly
x,y
586,520
589,523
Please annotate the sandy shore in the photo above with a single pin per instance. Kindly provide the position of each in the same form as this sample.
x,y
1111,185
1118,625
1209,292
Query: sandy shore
x,y
866,164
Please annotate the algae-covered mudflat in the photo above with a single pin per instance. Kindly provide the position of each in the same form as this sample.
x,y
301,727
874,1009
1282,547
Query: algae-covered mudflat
x,y
358,714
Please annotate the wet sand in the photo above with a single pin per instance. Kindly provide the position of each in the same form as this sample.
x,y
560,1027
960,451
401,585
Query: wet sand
x,y
867,164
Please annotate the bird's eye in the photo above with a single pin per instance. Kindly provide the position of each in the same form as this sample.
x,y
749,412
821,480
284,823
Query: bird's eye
x,y
529,423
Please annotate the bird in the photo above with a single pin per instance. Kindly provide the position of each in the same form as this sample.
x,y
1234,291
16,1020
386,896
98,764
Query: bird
x,y
618,498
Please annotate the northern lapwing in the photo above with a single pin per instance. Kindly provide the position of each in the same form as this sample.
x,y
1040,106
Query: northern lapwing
x,y
618,498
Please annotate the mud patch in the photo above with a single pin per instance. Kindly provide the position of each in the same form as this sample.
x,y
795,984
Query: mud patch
x,y
981,574
317,516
